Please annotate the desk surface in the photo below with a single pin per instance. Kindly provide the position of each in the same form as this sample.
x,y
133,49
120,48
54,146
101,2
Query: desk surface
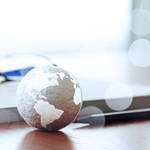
x,y
122,136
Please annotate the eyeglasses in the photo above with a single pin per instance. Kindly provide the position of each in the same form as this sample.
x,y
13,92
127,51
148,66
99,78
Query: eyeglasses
x,y
4,78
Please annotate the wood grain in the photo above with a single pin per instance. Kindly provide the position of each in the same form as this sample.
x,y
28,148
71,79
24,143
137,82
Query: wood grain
x,y
120,136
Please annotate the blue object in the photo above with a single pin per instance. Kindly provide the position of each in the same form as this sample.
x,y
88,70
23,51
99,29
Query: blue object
x,y
18,72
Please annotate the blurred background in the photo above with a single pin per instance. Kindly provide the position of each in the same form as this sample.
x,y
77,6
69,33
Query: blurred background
x,y
67,29
47,27
99,40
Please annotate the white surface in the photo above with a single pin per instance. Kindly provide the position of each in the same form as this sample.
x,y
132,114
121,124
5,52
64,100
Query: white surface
x,y
92,89
95,73
8,94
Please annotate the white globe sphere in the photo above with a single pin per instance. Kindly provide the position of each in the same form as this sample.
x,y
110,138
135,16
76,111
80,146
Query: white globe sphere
x,y
49,98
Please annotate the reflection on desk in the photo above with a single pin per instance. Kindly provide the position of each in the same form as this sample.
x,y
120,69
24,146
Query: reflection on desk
x,y
116,136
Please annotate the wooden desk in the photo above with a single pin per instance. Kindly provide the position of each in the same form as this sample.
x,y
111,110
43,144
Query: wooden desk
x,y
122,136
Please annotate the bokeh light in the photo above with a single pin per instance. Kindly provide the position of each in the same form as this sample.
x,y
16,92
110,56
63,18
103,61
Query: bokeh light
x,y
92,115
118,96
139,53
140,21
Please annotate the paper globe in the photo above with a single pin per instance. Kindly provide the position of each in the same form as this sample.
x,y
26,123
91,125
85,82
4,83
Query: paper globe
x,y
48,98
